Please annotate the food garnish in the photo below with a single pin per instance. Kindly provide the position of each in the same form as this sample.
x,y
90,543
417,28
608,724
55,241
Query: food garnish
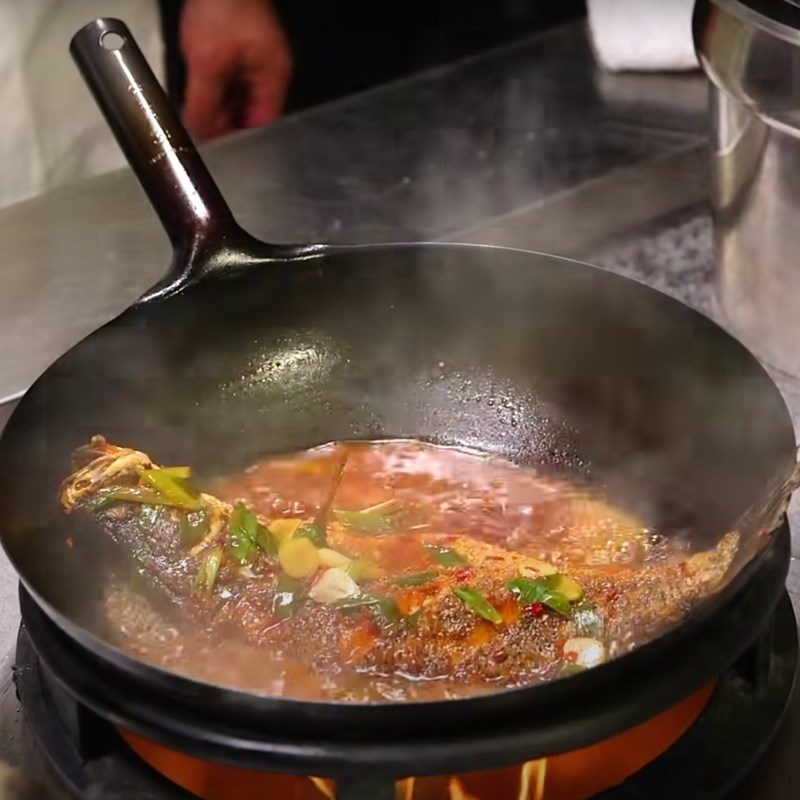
x,y
477,603
209,570
446,556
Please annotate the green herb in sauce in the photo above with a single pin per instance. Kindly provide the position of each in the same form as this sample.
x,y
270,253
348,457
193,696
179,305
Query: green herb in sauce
x,y
477,603
446,556
541,591
416,579
209,570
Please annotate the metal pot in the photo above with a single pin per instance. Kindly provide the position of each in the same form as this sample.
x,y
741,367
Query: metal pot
x,y
750,49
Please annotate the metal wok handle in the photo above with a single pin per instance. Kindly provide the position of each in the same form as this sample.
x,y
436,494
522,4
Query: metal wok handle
x,y
192,210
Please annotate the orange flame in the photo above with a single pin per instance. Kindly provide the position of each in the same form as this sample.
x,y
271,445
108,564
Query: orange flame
x,y
325,786
575,775
457,791
539,767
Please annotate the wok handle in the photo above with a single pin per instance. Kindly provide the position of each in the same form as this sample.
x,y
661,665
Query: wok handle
x,y
158,148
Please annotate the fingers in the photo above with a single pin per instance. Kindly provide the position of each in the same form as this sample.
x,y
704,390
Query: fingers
x,y
266,91
204,110
228,46
266,82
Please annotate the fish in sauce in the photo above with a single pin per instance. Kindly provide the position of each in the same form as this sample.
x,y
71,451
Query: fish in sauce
x,y
382,571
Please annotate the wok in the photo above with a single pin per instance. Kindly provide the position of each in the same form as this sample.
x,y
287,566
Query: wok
x,y
247,348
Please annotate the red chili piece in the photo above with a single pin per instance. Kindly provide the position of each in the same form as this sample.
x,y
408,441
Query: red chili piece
x,y
462,574
536,609
571,656
612,593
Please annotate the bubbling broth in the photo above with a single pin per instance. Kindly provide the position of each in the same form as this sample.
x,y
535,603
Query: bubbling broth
x,y
389,571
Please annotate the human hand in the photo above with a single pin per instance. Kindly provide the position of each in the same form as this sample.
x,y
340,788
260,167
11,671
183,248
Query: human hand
x,y
233,46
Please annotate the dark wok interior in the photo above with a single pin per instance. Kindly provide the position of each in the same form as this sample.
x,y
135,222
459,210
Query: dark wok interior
x,y
542,360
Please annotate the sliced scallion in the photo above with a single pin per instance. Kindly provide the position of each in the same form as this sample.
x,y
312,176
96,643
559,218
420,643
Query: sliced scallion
x,y
446,556
386,607
267,541
209,570
539,590
170,484
416,579
477,603
382,518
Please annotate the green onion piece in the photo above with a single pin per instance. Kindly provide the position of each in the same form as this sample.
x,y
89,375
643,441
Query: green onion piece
x,y
529,591
588,620
180,473
209,570
240,549
389,610
477,603
242,542
386,607
173,490
267,541
360,601
246,534
245,522
385,517
131,494
194,526
446,556
313,532
416,579
288,598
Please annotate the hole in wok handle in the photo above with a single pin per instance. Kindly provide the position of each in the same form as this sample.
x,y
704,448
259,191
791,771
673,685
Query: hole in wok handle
x,y
111,40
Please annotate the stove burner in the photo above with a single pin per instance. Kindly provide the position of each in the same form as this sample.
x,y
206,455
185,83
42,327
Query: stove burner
x,y
713,756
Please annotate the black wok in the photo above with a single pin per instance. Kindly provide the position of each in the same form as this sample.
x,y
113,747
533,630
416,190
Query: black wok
x,y
246,348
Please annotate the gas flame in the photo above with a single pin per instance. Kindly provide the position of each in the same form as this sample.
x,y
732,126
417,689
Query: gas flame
x,y
406,787
537,768
457,791
325,786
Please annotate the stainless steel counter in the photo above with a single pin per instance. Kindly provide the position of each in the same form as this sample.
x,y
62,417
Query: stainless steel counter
x,y
528,146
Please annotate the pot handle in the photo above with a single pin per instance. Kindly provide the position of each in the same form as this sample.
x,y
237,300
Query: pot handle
x,y
192,210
